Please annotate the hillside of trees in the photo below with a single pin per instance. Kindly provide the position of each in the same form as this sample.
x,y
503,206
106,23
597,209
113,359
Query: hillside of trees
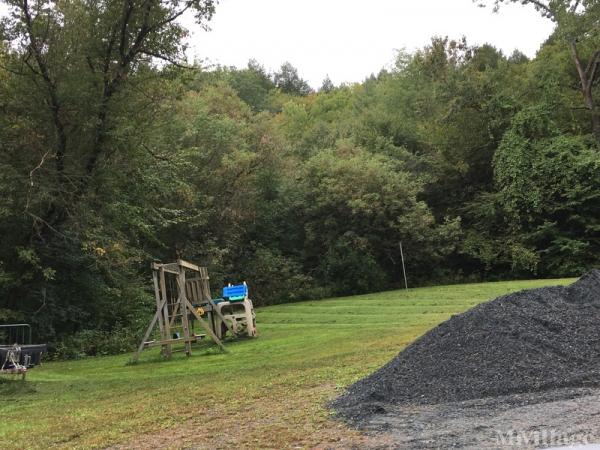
x,y
115,154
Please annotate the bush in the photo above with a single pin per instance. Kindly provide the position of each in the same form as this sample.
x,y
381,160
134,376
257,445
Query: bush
x,y
275,278
95,343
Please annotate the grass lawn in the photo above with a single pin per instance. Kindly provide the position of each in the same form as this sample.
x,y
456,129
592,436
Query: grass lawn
x,y
264,393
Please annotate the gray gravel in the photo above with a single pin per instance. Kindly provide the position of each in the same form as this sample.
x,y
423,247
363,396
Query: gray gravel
x,y
520,371
530,341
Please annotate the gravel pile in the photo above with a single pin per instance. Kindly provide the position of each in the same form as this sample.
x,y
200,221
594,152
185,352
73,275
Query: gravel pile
x,y
529,341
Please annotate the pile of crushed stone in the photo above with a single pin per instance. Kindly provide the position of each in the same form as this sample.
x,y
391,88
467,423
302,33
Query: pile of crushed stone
x,y
529,341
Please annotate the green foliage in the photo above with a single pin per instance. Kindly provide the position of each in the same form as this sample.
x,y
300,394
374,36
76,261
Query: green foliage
x,y
253,85
550,188
357,208
327,85
274,278
96,343
288,80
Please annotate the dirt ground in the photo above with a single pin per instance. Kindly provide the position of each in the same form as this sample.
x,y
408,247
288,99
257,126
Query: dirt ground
x,y
525,421
293,422
188,437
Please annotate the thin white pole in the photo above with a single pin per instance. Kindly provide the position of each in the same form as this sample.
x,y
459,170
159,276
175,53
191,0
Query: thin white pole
x,y
403,268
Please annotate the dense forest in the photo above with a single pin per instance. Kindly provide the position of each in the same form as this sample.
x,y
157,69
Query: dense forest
x,y
115,153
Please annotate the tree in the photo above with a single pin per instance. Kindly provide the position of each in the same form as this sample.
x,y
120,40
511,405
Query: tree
x,y
355,208
288,80
327,85
252,84
77,57
83,90
549,187
577,25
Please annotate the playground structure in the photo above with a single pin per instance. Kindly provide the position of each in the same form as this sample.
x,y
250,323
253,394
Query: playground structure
x,y
17,354
183,298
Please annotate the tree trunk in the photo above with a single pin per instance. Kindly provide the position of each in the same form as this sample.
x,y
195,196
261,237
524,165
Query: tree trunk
x,y
586,78
589,103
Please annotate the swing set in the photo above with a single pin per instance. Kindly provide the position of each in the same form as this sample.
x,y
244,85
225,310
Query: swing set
x,y
183,298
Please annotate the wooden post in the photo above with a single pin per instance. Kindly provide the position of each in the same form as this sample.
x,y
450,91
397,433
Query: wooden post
x,y
148,331
205,283
403,268
183,308
165,311
157,297
206,327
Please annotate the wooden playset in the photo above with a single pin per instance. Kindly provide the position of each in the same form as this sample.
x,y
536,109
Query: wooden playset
x,y
183,299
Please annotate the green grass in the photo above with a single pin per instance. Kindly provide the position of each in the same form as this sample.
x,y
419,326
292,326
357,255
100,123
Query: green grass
x,y
263,393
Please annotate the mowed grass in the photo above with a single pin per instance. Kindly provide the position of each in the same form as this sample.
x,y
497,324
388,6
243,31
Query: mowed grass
x,y
268,392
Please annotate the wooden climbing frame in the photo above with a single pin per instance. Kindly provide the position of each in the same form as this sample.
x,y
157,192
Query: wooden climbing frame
x,y
182,294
